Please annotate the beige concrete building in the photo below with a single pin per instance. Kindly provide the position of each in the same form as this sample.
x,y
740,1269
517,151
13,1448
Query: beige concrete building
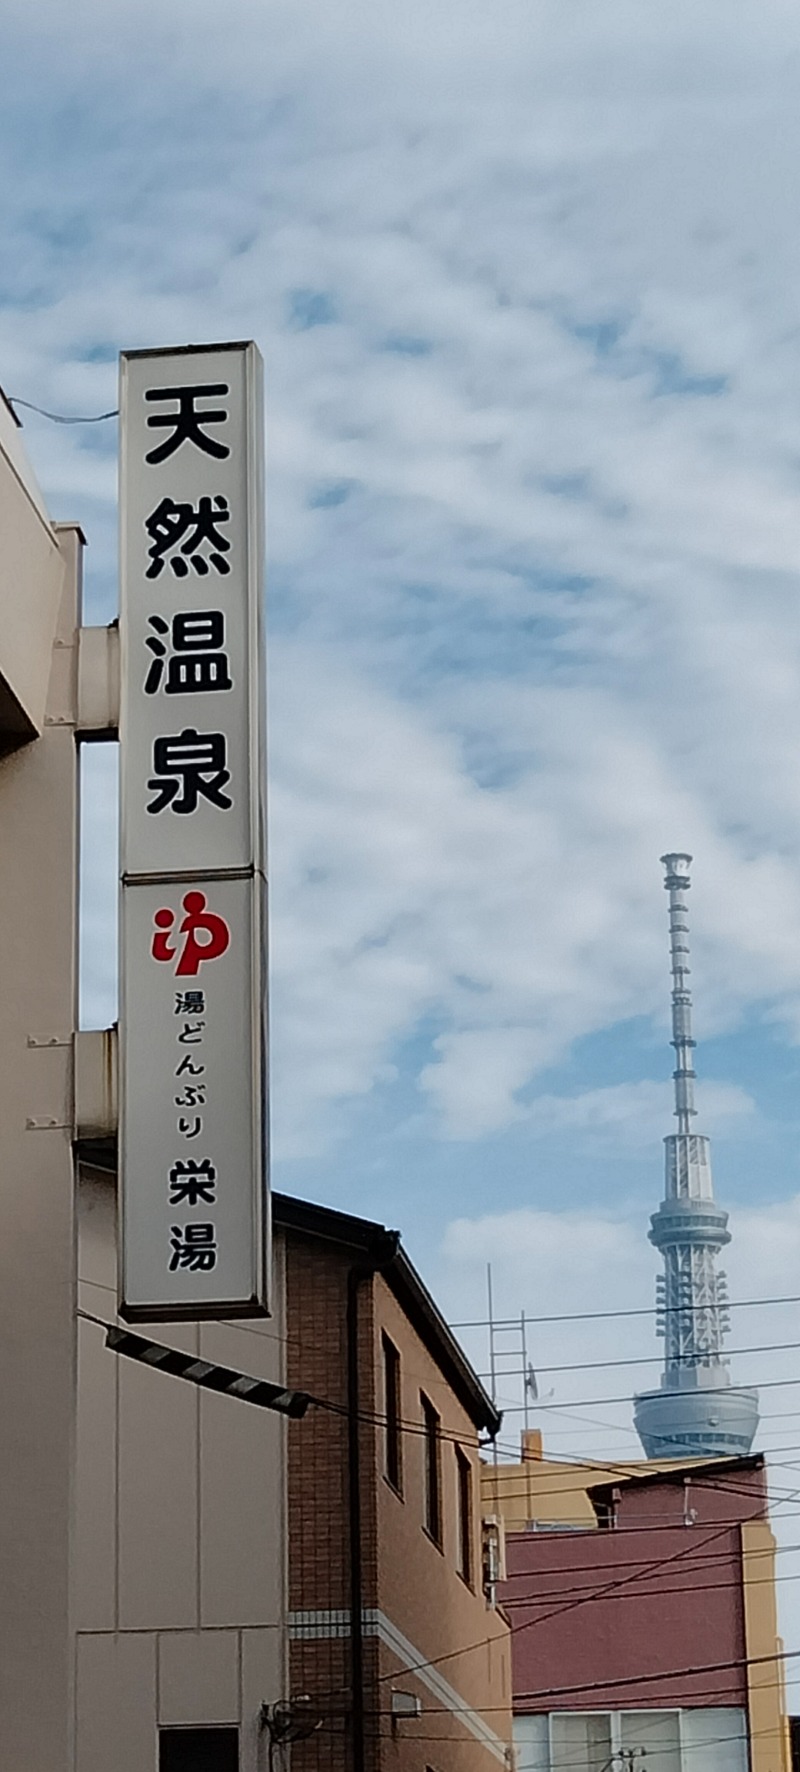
x,y
39,616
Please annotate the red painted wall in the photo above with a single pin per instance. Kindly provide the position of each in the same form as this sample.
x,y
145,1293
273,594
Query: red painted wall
x,y
627,1605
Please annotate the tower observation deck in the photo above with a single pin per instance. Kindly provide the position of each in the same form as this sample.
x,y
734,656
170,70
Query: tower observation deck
x,y
697,1412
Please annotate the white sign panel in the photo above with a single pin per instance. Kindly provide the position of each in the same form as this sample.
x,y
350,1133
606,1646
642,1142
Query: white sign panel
x,y
193,1112
191,610
192,1224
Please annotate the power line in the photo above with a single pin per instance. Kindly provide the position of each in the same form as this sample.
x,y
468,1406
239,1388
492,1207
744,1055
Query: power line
x,y
672,1673
572,1604
773,1347
61,418
578,1366
602,1402
739,1304
608,1470
623,1682
521,1602
377,1418
742,1735
709,1563
629,1467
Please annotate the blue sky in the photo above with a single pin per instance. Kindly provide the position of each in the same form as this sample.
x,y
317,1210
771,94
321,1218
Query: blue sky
x,y
525,278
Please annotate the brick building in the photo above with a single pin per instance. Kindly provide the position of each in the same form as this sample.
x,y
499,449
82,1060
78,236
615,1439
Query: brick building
x,y
385,1530
642,1604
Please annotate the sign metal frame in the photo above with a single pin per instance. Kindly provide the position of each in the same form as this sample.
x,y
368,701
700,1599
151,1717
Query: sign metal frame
x,y
178,873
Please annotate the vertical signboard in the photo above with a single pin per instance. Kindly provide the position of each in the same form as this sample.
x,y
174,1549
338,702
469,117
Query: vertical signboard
x,y
193,1064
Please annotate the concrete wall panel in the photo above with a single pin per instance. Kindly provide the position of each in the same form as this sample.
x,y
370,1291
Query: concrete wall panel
x,y
198,1676
116,1704
96,1446
263,1681
241,1483
95,1488
158,1483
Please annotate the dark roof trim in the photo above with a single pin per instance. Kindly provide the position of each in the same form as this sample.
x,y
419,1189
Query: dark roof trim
x,y
383,1249
683,1469
9,408
440,1341
358,1234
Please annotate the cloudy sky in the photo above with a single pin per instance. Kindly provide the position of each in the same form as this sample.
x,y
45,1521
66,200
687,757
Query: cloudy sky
x,y
525,279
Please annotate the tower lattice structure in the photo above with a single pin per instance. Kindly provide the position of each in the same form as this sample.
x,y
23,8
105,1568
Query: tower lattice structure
x,y
697,1412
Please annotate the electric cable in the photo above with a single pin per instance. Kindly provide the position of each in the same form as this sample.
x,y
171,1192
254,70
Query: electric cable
x,y
573,1603
377,1418
703,1565
742,1737
603,1402
773,1347
60,418
734,1304
511,1604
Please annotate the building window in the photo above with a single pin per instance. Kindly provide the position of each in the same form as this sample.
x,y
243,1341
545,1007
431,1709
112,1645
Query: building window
x,y
433,1481
392,1409
652,1734
594,1740
582,1743
464,1496
198,1750
695,1740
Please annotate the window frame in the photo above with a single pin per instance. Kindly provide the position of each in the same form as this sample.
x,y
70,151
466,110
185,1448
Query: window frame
x,y
614,1720
231,1732
724,1728
393,1415
465,1515
432,1471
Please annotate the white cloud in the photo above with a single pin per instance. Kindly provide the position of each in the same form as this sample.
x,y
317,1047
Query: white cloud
x,y
476,1076
635,1115
551,626
567,1247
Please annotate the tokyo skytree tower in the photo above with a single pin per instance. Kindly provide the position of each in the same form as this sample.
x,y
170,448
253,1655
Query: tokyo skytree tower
x,y
696,1412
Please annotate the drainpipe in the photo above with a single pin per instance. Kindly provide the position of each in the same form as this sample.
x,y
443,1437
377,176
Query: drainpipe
x,y
379,1256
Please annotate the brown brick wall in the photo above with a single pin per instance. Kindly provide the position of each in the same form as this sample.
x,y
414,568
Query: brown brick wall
x,y
406,1577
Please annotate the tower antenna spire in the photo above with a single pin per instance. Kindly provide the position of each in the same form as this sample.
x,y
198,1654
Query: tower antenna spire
x,y
696,1413
677,883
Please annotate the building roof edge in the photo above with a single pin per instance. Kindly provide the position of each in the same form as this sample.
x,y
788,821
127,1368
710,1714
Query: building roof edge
x,y
678,1472
368,1238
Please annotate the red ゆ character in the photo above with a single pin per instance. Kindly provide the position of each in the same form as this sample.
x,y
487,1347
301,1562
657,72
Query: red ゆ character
x,y
197,921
